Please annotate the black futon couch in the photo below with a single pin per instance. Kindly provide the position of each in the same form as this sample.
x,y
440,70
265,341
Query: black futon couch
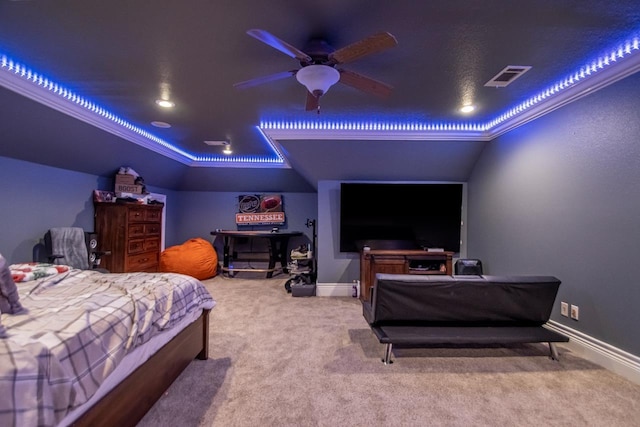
x,y
408,310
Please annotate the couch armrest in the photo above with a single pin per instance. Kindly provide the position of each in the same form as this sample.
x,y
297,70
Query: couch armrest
x,y
367,311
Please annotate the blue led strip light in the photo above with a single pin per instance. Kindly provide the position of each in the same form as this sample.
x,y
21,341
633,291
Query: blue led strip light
x,y
59,90
28,75
624,50
376,126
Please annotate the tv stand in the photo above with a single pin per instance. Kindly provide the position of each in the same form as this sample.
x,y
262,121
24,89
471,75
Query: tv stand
x,y
401,261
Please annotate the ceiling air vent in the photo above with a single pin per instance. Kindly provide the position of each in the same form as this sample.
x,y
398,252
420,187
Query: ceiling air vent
x,y
212,143
507,75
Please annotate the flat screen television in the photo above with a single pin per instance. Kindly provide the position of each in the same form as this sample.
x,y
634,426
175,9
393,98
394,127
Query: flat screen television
x,y
400,216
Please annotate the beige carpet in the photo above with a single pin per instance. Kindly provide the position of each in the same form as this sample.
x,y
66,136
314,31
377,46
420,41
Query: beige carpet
x,y
276,360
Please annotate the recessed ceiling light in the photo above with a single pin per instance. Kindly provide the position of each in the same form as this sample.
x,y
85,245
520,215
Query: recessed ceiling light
x,y
165,103
467,108
163,125
227,150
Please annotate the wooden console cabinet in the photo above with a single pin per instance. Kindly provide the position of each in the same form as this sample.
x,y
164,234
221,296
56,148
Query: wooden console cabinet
x,y
132,232
400,261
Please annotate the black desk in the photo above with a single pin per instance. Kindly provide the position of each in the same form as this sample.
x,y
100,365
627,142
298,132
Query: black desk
x,y
278,246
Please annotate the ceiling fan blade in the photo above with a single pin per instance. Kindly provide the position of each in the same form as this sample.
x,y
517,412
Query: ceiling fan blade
x,y
364,83
276,43
264,79
313,102
366,46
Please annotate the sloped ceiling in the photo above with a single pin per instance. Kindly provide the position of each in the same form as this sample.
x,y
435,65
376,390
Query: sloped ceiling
x,y
123,55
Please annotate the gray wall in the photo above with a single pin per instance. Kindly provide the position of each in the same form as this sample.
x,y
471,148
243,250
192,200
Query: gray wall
x,y
561,196
36,198
203,212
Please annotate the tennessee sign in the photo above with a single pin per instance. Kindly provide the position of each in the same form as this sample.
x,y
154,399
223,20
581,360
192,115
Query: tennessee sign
x,y
260,218
254,209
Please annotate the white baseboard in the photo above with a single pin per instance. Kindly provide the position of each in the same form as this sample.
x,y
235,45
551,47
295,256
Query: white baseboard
x,y
609,357
596,351
334,290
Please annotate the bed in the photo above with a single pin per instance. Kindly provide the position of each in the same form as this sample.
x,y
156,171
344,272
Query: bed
x,y
91,348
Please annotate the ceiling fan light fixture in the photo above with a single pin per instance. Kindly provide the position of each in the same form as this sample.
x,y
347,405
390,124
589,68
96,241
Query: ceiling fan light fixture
x,y
159,124
318,78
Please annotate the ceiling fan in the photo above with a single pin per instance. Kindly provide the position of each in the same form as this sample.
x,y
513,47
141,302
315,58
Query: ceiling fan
x,y
321,65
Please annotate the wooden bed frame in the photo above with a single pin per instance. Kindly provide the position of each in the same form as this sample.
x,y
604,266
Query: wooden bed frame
x,y
130,400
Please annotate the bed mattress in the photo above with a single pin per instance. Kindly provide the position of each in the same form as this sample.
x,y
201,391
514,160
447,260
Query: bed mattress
x,y
82,328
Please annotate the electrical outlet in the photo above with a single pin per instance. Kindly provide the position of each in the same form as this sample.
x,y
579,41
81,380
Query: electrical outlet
x,y
564,309
575,312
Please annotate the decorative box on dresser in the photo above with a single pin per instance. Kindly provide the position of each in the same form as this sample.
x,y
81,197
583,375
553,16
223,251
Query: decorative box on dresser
x,y
399,261
132,232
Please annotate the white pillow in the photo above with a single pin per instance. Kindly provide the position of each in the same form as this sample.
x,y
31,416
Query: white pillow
x,y
9,298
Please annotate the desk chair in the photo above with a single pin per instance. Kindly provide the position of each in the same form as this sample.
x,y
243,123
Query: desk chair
x,y
74,247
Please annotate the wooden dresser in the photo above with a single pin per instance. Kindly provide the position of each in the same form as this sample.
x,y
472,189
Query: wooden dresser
x,y
132,232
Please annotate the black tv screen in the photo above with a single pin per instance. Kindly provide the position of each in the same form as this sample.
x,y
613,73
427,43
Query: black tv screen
x,y
400,216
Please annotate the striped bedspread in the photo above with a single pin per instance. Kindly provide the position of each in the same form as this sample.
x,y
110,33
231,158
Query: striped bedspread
x,y
78,327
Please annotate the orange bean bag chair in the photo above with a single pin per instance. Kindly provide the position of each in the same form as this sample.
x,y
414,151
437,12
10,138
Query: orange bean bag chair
x,y
195,257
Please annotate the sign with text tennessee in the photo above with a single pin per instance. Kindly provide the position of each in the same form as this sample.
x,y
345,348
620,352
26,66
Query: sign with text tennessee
x,y
256,209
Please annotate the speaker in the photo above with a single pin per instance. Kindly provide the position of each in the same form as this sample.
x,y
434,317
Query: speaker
x,y
92,248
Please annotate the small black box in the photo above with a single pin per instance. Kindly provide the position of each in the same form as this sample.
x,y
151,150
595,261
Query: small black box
x,y
303,290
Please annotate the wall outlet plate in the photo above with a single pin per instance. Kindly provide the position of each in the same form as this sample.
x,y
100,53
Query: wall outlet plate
x,y
575,312
564,309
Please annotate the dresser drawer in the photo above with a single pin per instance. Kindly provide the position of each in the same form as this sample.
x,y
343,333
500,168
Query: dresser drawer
x,y
143,245
152,229
152,215
136,230
135,246
142,262
144,230
152,244
144,214
137,214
